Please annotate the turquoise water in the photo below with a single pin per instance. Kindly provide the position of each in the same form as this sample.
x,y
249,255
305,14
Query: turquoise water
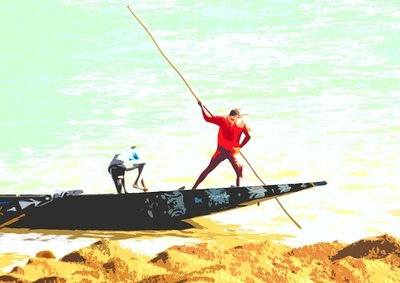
x,y
82,80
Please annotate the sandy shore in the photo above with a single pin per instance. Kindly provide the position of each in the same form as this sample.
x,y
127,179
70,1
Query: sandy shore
x,y
374,259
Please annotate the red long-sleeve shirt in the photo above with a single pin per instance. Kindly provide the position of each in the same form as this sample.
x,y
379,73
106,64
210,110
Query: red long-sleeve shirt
x,y
228,135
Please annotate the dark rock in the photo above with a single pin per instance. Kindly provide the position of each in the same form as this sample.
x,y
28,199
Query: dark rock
x,y
370,248
73,257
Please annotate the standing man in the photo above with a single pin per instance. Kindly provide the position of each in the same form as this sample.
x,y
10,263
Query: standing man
x,y
117,169
229,135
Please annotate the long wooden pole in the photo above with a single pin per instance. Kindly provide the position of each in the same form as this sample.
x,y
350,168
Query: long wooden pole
x,y
166,58
198,100
283,208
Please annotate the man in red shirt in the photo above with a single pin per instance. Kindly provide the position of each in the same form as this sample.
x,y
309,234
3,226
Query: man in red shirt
x,y
229,144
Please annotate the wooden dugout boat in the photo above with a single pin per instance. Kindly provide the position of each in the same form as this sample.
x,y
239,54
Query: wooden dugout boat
x,y
162,210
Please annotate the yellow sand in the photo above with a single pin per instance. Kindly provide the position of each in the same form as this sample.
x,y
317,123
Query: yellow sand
x,y
368,260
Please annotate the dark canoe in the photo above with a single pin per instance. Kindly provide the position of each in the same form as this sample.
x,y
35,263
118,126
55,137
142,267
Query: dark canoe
x,y
74,210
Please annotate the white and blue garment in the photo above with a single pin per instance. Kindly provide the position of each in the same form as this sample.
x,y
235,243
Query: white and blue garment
x,y
131,157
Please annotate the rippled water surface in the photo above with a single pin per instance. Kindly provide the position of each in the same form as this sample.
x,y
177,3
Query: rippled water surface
x,y
82,80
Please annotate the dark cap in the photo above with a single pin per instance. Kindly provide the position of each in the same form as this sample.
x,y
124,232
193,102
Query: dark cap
x,y
234,112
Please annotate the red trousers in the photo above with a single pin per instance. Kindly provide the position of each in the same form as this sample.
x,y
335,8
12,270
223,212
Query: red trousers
x,y
220,155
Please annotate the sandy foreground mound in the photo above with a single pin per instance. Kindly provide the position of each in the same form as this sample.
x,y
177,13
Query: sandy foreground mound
x,y
368,260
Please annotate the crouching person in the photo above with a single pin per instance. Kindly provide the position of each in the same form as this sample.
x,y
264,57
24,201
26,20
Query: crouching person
x,y
127,161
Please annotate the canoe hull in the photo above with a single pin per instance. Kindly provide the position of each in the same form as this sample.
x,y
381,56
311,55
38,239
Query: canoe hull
x,y
138,211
